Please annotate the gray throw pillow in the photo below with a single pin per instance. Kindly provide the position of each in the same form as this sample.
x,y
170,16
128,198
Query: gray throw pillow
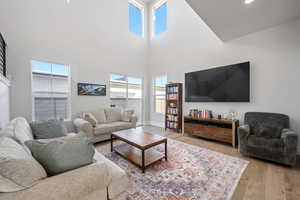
x,y
62,155
48,129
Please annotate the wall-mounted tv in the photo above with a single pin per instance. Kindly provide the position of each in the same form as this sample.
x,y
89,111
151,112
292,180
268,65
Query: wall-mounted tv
x,y
222,84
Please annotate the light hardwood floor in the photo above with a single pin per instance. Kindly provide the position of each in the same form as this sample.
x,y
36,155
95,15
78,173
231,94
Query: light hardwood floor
x,y
262,180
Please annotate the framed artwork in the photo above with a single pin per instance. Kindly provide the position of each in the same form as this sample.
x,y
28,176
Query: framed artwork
x,y
87,89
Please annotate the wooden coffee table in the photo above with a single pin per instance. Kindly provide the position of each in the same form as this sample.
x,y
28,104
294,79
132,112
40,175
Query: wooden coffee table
x,y
136,148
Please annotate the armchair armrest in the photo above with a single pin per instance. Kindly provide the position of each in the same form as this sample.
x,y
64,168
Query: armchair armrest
x,y
84,126
290,139
243,133
75,184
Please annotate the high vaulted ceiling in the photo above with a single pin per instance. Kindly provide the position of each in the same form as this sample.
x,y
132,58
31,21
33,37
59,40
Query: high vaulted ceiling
x,y
231,19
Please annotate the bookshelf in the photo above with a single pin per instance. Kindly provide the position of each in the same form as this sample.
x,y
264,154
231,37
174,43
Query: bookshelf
x,y
173,117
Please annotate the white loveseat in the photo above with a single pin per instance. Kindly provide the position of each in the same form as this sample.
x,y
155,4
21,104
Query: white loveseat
x,y
108,121
101,180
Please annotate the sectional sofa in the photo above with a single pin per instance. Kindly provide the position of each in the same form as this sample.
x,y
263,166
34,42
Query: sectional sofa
x,y
101,180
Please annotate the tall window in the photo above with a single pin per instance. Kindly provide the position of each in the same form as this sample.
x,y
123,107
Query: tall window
x,y
50,91
159,14
136,18
125,87
127,93
160,93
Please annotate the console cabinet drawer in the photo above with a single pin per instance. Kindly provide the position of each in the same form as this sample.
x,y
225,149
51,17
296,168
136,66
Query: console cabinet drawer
x,y
209,132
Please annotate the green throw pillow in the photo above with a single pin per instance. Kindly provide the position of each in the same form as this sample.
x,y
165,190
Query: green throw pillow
x,y
62,155
48,129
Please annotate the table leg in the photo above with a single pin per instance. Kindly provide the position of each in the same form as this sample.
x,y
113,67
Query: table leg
x,y
143,161
111,143
166,150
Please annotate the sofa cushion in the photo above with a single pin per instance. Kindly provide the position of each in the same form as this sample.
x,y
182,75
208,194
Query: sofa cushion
x,y
62,155
18,169
272,144
90,118
119,179
270,130
118,126
101,129
113,114
48,129
99,115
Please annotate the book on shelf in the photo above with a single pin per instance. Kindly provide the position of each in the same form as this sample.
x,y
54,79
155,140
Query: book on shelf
x,y
172,111
172,118
172,125
172,96
172,89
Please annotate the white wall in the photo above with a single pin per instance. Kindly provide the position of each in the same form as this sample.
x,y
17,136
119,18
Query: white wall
x,y
4,102
91,36
189,45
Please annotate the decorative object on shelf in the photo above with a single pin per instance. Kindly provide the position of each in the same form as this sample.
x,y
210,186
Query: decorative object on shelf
x,y
173,118
232,115
86,89
216,129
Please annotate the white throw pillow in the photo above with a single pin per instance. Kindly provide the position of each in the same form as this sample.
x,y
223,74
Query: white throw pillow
x,y
126,116
18,169
90,118
19,130
113,114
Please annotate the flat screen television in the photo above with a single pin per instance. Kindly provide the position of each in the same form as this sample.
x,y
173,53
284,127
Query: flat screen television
x,y
222,84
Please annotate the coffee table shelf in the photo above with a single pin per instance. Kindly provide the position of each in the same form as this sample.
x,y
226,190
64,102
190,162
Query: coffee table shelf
x,y
137,147
134,155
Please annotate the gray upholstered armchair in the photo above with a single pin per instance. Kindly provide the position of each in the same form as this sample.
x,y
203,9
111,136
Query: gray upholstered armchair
x,y
267,136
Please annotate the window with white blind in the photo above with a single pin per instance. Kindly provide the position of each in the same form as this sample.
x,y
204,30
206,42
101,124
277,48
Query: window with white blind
x,y
160,94
50,91
126,92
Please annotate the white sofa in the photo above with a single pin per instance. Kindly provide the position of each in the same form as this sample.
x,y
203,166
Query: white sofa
x,y
101,180
108,121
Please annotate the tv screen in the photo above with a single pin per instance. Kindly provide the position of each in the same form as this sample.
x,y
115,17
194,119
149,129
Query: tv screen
x,y
222,84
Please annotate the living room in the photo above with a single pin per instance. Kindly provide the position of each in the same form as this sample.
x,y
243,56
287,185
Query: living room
x,y
131,50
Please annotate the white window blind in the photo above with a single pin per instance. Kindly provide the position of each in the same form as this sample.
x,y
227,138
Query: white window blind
x,y
50,91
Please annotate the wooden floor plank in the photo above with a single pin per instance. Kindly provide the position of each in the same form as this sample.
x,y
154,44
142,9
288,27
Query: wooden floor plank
x,y
262,180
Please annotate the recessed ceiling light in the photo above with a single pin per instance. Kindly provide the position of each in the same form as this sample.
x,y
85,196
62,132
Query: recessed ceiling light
x,y
249,1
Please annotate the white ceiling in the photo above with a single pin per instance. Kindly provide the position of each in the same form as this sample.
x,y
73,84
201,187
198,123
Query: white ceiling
x,y
231,19
147,1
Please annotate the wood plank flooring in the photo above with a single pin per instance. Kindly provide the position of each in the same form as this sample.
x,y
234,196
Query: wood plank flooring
x,y
262,180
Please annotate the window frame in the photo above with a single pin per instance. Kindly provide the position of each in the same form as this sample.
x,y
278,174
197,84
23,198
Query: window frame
x,y
126,76
154,93
140,6
69,95
156,5
142,99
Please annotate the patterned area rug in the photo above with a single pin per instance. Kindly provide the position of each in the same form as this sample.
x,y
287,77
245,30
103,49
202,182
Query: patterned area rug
x,y
191,173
